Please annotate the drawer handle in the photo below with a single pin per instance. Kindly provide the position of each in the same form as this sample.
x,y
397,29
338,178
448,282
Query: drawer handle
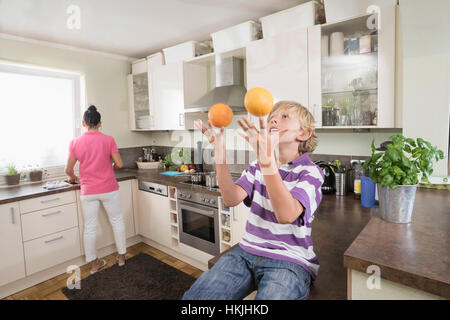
x,y
50,213
13,218
49,200
51,240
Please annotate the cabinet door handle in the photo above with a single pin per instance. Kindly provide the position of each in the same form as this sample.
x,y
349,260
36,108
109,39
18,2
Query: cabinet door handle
x,y
50,213
49,200
13,218
181,119
51,240
235,217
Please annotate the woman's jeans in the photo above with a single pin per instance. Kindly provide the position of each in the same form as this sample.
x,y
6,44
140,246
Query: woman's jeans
x,y
91,204
238,273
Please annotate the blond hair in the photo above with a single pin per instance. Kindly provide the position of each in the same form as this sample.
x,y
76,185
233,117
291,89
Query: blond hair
x,y
306,121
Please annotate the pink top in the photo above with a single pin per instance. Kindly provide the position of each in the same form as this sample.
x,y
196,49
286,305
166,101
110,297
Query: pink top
x,y
94,149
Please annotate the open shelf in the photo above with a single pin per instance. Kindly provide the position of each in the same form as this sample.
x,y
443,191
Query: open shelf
x,y
172,193
359,91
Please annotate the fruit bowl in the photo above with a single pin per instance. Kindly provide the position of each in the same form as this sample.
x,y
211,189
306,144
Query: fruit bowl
x,y
149,165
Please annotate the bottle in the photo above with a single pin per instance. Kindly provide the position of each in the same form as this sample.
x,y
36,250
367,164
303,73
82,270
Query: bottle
x,y
359,172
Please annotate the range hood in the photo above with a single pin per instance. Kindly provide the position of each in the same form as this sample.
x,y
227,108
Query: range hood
x,y
229,87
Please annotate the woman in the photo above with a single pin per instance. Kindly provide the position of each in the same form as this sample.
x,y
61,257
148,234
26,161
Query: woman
x,y
96,153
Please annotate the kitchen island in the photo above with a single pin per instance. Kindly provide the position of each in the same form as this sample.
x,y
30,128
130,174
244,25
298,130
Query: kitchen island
x,y
412,259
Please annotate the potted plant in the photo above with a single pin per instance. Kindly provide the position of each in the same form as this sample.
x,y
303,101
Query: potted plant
x,y
397,172
13,176
340,174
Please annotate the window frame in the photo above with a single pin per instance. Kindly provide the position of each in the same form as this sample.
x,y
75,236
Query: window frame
x,y
78,100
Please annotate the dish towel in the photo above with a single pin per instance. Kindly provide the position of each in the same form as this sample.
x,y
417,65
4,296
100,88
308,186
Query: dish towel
x,y
50,185
171,173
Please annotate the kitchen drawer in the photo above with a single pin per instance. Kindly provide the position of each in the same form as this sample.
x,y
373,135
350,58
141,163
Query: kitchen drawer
x,y
45,202
44,222
48,251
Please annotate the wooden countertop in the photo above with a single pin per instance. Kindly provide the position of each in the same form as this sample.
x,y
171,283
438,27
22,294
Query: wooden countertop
x,y
28,191
414,254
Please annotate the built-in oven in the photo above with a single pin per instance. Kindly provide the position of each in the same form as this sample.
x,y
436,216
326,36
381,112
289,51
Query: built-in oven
x,y
198,220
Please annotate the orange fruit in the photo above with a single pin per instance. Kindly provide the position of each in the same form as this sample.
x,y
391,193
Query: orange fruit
x,y
258,101
220,115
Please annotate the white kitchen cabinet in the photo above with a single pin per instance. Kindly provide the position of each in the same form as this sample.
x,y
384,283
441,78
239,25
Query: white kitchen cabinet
x,y
280,64
356,86
138,96
167,97
238,222
12,264
232,224
50,250
105,235
154,217
49,230
43,222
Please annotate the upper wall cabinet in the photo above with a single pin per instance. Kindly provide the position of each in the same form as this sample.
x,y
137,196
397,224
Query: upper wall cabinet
x,y
352,71
167,97
280,64
138,94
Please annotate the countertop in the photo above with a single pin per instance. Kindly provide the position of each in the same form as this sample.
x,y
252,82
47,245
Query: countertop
x,y
28,191
414,254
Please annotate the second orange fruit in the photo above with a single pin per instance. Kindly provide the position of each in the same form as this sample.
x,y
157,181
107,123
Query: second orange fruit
x,y
258,101
220,115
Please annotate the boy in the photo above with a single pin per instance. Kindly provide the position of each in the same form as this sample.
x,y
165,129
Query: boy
x,y
282,189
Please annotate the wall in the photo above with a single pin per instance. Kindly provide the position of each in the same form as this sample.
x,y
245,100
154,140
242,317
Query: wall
x,y
106,83
335,142
425,62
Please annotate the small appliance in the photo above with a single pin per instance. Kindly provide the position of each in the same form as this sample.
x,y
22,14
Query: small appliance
x,y
329,183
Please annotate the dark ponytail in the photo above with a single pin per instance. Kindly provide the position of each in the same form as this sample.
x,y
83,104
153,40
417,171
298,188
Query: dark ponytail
x,y
91,117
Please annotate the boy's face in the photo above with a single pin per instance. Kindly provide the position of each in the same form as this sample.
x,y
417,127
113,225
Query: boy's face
x,y
285,122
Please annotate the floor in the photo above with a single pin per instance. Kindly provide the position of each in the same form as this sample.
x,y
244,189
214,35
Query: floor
x,y
51,289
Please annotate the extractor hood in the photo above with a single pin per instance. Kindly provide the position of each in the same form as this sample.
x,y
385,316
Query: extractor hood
x,y
229,87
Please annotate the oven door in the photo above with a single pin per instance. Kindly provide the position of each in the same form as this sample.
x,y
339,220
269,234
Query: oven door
x,y
199,226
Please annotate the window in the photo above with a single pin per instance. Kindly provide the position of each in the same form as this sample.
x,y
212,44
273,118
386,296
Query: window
x,y
40,111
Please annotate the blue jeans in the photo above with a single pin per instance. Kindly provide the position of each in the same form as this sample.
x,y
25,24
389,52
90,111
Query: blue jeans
x,y
238,273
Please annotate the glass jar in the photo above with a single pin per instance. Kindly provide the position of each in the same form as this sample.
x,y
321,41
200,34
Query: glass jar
x,y
327,116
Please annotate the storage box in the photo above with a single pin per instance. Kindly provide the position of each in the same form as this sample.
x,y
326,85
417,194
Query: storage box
x,y
302,16
236,37
365,44
185,51
336,10
155,60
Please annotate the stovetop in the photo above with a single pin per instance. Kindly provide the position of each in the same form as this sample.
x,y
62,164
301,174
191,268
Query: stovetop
x,y
203,184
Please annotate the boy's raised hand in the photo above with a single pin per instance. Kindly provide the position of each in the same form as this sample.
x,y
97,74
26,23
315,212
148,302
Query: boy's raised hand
x,y
216,139
262,142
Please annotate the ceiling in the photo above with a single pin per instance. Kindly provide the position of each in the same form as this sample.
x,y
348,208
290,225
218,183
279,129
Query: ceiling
x,y
131,28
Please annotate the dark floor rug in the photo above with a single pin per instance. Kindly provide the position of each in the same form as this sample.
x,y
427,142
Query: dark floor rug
x,y
141,278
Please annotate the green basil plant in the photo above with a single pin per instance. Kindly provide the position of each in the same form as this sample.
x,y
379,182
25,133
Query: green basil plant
x,y
402,162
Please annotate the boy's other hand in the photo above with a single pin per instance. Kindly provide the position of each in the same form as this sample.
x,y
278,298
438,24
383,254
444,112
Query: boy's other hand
x,y
262,143
215,138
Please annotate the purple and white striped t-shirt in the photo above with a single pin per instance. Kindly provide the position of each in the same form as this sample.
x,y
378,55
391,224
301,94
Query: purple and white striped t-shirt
x,y
264,236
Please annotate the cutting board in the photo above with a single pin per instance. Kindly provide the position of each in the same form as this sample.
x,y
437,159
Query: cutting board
x,y
171,173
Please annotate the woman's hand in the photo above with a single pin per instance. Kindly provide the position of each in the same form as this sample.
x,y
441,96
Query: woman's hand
x,y
72,179
215,138
262,142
